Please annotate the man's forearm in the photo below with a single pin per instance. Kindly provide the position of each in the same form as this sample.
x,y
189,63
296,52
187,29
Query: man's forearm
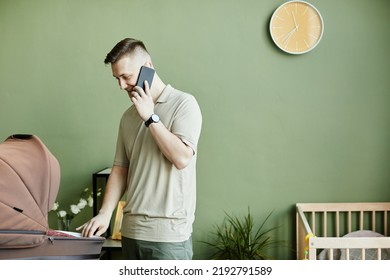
x,y
115,188
171,146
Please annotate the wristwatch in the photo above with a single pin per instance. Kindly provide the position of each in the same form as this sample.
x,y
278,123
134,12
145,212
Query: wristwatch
x,y
153,119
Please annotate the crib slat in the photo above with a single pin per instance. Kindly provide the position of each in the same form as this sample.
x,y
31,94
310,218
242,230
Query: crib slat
x,y
349,222
361,220
325,224
373,221
313,222
385,223
337,223
363,254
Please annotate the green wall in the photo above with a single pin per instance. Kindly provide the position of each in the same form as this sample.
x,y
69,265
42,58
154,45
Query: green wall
x,y
278,129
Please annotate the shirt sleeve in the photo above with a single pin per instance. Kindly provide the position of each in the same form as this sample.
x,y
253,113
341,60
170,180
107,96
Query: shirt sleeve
x,y
188,122
121,158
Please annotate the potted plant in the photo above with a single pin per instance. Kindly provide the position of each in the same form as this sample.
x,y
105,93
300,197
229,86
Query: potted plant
x,y
238,239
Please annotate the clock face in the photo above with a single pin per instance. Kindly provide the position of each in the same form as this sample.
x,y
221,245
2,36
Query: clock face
x,y
296,27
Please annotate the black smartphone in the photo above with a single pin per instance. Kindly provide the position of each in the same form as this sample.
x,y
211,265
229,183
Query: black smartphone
x,y
145,74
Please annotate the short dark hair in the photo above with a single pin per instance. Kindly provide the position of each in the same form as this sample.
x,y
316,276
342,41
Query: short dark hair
x,y
125,47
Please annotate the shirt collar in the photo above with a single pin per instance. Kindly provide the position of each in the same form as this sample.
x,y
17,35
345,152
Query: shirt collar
x,y
164,96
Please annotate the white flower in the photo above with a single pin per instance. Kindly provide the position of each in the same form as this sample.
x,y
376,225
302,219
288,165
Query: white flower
x,y
55,206
74,209
62,213
82,203
90,201
85,199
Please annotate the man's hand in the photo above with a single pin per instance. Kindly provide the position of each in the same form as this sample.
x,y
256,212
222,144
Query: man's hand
x,y
96,226
143,101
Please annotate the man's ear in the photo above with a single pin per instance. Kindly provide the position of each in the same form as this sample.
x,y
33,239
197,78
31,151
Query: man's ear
x,y
149,64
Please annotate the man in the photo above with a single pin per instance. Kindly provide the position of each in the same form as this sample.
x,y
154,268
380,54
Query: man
x,y
155,163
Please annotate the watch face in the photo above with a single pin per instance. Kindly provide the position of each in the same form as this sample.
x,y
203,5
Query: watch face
x,y
296,27
155,118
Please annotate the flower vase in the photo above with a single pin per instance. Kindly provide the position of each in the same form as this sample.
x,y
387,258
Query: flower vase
x,y
64,223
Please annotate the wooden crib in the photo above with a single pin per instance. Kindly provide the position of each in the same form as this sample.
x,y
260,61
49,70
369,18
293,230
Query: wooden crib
x,y
343,230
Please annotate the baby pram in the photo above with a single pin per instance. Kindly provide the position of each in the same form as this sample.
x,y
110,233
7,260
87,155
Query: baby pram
x,y
29,184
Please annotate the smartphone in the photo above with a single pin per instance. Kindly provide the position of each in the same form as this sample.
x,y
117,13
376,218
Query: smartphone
x,y
145,74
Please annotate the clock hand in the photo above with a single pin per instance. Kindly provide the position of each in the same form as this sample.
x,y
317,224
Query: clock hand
x,y
295,22
289,35
287,40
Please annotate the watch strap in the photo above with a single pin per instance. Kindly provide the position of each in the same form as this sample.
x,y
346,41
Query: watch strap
x,y
151,120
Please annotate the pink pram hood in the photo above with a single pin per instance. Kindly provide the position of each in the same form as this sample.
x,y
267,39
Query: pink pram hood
x,y
29,183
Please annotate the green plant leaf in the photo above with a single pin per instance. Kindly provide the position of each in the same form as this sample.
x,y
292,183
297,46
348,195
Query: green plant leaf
x,y
237,238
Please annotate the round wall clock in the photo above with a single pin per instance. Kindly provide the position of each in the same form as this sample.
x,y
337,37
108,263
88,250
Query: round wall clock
x,y
296,27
